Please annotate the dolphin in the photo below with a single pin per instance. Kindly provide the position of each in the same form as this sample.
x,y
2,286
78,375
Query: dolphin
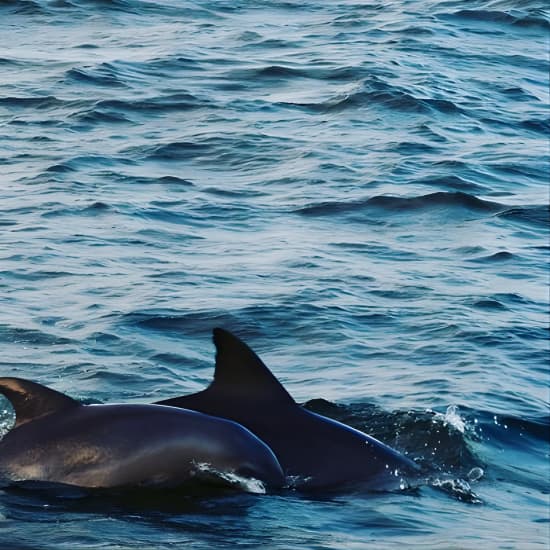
x,y
59,440
314,451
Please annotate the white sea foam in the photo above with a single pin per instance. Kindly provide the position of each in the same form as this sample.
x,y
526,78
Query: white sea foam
x,y
452,418
248,484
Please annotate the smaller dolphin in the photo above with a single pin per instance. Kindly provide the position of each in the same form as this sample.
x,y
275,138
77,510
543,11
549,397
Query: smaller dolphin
x,y
57,439
320,453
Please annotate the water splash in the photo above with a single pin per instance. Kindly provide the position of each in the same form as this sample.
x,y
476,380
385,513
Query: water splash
x,y
452,418
457,488
247,484
6,422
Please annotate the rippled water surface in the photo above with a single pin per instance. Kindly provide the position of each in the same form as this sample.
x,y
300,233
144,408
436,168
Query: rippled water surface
x,y
357,189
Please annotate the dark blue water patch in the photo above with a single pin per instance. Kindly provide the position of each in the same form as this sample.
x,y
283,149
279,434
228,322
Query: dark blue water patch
x,y
96,116
245,151
170,181
28,336
169,66
249,321
8,61
375,91
36,102
103,75
200,503
489,305
414,148
163,239
497,257
256,41
277,73
202,215
536,215
24,7
172,359
61,168
532,334
97,162
155,105
518,93
404,293
35,274
178,325
125,74
505,339
505,125
511,442
536,125
234,193
447,200
434,200
181,150
495,426
376,250
340,73
94,209
114,6
203,519
427,130
504,18
417,30
452,182
512,299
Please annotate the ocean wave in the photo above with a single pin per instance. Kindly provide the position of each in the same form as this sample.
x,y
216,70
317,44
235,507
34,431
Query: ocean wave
x,y
83,8
375,91
537,215
96,208
453,182
36,102
343,73
176,150
496,16
190,323
28,336
535,125
497,257
104,75
117,110
490,305
25,7
247,151
165,103
441,199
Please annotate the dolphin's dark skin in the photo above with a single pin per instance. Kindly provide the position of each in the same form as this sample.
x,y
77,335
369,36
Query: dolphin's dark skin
x,y
57,439
319,452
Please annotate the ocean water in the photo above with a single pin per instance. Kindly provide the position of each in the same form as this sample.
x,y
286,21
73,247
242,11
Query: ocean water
x,y
357,189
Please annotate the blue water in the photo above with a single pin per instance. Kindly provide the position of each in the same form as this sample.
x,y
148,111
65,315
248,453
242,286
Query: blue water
x,y
358,190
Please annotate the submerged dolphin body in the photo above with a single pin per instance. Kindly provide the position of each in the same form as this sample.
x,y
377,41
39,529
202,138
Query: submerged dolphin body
x,y
57,439
318,452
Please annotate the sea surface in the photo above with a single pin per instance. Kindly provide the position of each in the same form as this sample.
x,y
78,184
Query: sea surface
x,y
359,190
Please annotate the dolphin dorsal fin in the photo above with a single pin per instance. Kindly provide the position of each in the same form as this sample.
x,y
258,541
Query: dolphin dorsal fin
x,y
240,370
31,400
